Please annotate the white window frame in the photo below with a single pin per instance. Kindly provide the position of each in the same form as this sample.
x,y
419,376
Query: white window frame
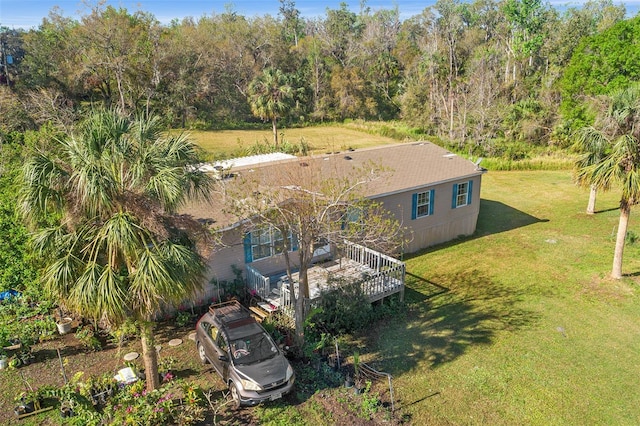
x,y
423,200
267,242
462,196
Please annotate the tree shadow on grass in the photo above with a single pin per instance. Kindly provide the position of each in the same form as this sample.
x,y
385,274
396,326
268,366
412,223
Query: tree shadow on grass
x,y
442,324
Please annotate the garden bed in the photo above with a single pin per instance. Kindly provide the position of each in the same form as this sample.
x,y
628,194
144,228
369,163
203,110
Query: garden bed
x,y
317,384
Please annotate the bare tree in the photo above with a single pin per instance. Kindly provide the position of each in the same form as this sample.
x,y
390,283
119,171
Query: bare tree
x,y
314,200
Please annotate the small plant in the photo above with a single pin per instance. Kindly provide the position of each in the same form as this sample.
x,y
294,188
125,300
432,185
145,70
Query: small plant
x,y
356,365
165,367
183,318
45,328
325,344
122,334
87,336
370,403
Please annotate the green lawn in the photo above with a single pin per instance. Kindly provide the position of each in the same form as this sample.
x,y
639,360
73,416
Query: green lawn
x,y
521,324
321,139
518,324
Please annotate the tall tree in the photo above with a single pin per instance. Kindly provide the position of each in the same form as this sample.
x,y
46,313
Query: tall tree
x,y
621,125
593,146
607,61
271,97
117,51
315,201
292,24
526,18
117,249
450,27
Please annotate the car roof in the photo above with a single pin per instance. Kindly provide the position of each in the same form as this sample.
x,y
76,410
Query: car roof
x,y
235,319
244,331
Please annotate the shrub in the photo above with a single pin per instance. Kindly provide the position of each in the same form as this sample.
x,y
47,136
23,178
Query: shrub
x,y
87,336
128,330
183,318
342,309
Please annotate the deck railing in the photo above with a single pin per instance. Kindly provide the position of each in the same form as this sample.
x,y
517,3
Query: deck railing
x,y
380,276
369,257
258,283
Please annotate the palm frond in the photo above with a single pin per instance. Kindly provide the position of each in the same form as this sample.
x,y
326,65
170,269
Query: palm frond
x,y
120,239
60,276
114,186
43,182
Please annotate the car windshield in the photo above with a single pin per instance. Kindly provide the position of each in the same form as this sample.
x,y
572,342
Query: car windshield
x,y
252,349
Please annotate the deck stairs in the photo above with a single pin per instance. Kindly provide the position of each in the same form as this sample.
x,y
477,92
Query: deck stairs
x,y
263,308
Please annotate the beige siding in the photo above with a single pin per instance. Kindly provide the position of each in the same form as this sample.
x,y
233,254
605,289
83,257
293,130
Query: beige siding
x,y
444,224
231,253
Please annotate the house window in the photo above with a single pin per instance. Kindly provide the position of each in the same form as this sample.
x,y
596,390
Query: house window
x,y
422,204
461,194
353,217
261,244
265,242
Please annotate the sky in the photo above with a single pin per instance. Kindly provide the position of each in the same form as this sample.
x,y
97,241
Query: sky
x,y
28,14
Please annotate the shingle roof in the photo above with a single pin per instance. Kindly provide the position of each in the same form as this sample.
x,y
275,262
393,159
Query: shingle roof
x,y
411,165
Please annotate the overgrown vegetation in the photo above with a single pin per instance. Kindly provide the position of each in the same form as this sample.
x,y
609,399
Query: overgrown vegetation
x,y
345,309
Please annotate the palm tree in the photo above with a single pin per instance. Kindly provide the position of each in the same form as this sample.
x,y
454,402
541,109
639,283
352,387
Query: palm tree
x,y
112,244
594,146
271,97
622,165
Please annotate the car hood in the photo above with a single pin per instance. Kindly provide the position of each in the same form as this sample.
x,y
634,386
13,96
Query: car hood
x,y
265,372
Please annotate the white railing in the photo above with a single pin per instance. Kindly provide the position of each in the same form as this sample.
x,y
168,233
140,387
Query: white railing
x,y
258,283
380,276
388,276
371,258
383,284
286,303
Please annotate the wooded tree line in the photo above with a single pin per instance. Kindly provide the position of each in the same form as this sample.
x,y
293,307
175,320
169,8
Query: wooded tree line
x,y
475,73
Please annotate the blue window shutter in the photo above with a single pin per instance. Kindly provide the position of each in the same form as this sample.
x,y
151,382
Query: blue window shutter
x,y
294,242
432,196
454,199
248,258
469,192
414,206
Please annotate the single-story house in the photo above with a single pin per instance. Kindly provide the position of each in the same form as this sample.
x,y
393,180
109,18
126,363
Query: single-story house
x,y
433,192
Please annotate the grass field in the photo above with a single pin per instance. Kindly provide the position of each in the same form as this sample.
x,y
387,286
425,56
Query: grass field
x,y
229,143
521,324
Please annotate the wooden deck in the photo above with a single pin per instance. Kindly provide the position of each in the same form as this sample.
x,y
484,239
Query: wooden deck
x,y
379,275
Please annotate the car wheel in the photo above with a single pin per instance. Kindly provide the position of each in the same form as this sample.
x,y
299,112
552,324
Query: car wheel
x,y
201,354
234,395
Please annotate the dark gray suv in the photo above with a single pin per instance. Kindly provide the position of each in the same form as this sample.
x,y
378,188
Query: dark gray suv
x,y
243,354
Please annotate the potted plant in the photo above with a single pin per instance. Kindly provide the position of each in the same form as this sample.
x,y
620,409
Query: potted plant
x,y
3,359
64,325
25,355
348,381
359,384
27,402
67,398
66,408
